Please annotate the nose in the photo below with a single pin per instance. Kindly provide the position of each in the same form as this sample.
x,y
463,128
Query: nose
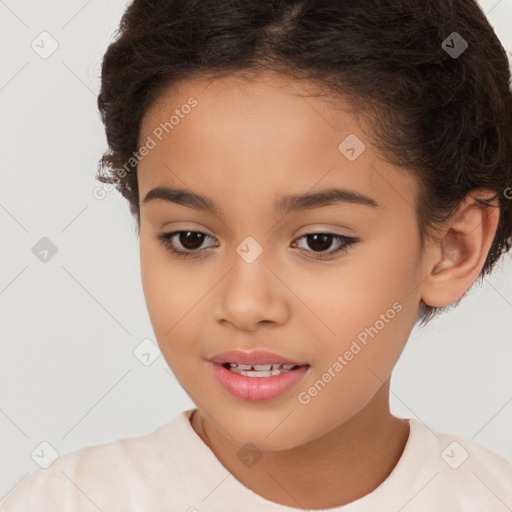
x,y
251,296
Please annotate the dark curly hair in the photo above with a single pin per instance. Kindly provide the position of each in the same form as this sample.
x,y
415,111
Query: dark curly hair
x,y
445,118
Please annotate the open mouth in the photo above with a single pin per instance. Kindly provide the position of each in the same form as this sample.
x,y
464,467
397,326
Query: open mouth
x,y
260,370
257,382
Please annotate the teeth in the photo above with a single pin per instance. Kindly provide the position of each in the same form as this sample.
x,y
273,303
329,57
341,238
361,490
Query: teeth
x,y
260,370
265,367
260,373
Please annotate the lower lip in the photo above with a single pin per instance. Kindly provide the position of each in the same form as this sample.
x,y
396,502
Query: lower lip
x,y
257,388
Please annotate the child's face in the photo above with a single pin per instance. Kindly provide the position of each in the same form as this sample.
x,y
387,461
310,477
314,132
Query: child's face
x,y
245,145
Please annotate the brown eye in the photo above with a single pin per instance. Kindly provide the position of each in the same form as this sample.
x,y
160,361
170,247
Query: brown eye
x,y
190,241
320,242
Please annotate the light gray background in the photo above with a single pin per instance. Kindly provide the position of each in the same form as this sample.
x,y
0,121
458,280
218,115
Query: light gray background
x,y
70,325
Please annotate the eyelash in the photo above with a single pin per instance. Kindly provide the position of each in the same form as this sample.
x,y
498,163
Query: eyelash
x,y
166,240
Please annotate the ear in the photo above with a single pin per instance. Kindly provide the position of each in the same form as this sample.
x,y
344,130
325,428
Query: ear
x,y
456,257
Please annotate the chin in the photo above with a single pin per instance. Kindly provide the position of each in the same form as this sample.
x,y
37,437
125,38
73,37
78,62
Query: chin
x,y
267,434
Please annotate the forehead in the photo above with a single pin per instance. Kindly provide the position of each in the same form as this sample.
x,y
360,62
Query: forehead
x,y
271,136
298,106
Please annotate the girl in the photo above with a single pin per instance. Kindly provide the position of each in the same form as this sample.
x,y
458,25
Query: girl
x,y
310,180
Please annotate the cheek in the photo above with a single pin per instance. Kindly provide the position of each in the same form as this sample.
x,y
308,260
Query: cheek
x,y
169,295
385,272
369,310
155,276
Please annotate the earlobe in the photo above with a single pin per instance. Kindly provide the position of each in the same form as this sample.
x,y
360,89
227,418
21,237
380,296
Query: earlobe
x,y
460,253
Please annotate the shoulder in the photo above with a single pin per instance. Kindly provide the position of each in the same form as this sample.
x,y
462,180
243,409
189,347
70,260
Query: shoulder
x,y
94,477
460,472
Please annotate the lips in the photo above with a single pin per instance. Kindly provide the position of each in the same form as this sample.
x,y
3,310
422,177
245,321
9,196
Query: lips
x,y
255,357
256,384
257,388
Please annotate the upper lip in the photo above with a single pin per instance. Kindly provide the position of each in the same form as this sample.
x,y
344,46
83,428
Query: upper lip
x,y
252,358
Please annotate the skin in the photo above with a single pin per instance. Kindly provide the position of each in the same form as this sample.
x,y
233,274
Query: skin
x,y
243,145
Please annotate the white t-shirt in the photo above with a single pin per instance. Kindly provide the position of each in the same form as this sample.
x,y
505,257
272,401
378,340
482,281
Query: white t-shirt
x,y
173,470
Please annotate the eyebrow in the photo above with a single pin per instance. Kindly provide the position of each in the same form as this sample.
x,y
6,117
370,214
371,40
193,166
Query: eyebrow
x,y
285,204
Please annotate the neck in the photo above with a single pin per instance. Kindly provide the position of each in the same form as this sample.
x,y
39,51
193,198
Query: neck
x,y
345,464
